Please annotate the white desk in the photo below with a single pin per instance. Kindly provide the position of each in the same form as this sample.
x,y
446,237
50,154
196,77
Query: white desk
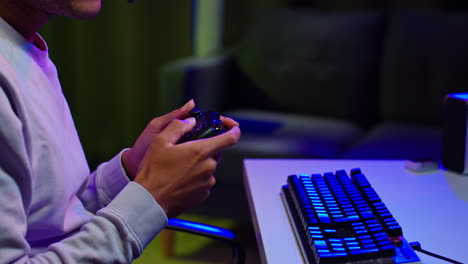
x,y
422,203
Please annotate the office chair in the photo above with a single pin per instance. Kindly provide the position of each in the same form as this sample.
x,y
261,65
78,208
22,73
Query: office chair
x,y
213,232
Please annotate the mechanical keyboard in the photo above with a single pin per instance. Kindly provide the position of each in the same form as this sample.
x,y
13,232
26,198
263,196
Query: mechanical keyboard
x,y
340,218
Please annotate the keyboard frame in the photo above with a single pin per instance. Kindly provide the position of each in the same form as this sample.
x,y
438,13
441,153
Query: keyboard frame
x,y
293,217
404,254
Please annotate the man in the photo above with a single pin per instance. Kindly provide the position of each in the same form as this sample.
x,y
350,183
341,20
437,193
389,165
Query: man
x,y
52,209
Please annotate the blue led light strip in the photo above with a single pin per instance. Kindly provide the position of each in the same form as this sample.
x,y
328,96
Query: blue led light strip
x,y
462,96
201,228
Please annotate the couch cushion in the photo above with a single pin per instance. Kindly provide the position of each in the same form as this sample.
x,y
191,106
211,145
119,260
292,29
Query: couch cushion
x,y
315,63
426,57
399,141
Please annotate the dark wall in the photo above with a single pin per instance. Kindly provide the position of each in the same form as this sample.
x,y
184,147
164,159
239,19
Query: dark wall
x,y
237,16
238,13
384,5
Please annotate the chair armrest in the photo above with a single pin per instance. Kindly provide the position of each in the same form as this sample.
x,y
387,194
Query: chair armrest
x,y
201,79
210,231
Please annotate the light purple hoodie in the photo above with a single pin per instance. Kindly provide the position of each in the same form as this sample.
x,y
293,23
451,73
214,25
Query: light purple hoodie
x,y
52,209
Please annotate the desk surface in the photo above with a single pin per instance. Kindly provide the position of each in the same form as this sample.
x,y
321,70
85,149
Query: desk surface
x,y
422,203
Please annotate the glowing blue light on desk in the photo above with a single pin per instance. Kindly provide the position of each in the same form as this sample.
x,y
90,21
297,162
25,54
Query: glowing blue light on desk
x,y
463,96
201,228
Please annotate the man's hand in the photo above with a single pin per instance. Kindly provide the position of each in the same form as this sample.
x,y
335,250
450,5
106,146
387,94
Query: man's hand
x,y
132,158
180,176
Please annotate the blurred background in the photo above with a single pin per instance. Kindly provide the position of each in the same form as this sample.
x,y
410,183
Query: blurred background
x,y
109,65
114,72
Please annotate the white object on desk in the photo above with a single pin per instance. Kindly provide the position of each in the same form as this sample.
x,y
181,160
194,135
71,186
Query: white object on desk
x,y
432,207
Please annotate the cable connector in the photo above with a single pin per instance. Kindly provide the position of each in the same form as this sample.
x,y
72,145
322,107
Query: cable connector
x,y
417,246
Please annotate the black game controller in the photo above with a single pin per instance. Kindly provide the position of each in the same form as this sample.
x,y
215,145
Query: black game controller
x,y
208,125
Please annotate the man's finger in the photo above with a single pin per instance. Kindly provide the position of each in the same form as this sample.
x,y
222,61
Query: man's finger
x,y
180,113
229,122
177,128
215,144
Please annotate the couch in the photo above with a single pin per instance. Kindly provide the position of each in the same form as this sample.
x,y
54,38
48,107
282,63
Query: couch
x,y
326,85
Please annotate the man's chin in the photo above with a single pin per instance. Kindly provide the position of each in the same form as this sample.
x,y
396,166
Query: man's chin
x,y
83,10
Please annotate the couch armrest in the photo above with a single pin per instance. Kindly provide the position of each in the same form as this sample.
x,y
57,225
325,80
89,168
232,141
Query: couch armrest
x,y
201,79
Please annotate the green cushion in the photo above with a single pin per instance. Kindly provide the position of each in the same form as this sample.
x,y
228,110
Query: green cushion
x,y
315,63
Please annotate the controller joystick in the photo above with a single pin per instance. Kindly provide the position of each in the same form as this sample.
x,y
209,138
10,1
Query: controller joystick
x,y
208,125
